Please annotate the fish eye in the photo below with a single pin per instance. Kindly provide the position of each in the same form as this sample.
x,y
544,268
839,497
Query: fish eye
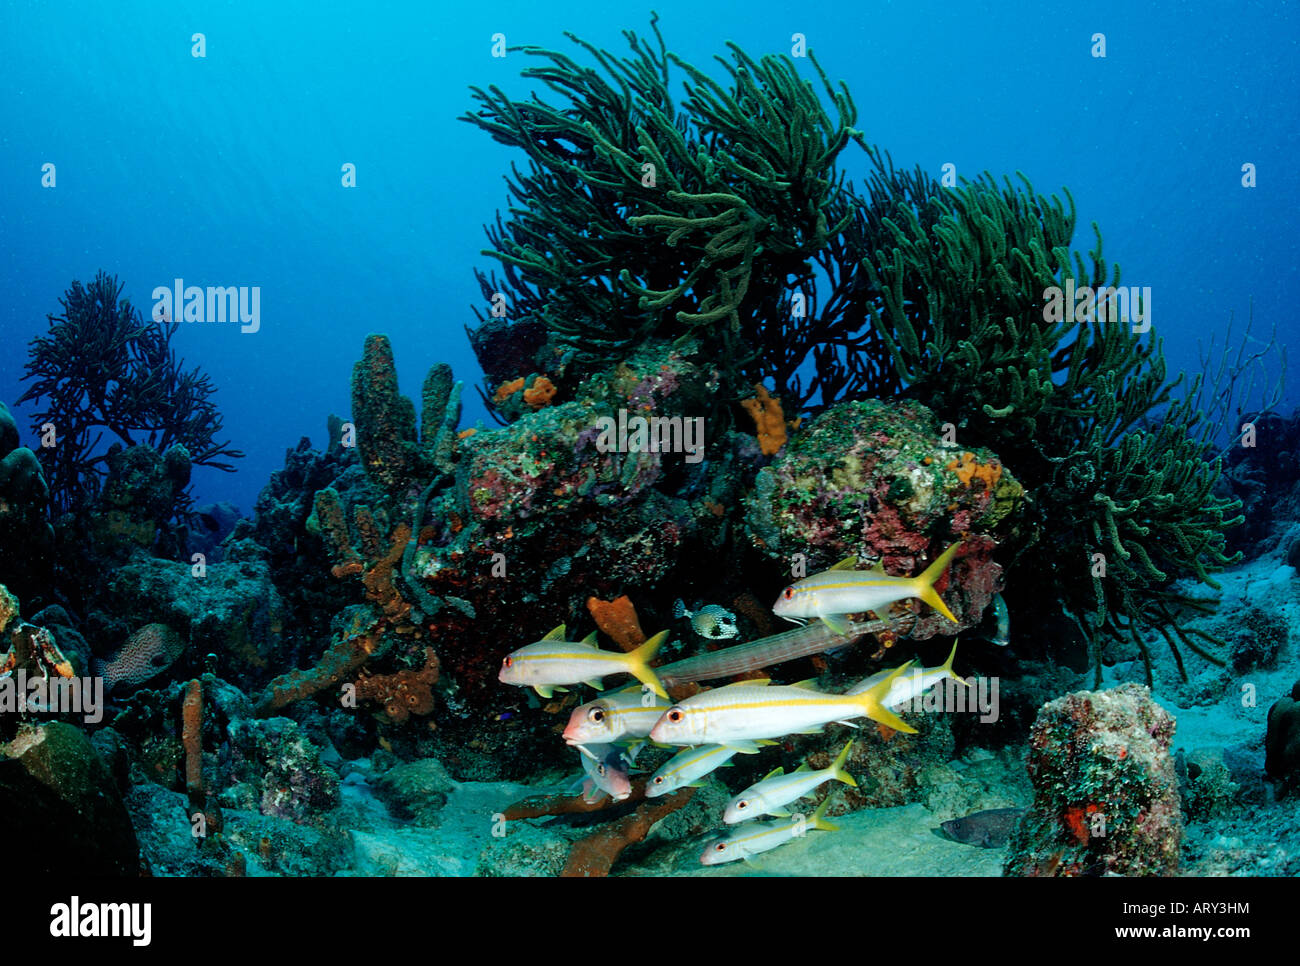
x,y
742,804
658,779
720,847
674,715
788,593
596,715
600,770
508,662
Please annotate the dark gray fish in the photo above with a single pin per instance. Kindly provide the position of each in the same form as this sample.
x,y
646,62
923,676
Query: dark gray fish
x,y
989,829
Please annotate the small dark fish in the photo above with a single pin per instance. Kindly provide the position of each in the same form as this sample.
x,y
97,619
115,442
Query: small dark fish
x,y
989,829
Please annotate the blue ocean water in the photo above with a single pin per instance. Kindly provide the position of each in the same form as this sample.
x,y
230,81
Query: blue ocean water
x,y
226,169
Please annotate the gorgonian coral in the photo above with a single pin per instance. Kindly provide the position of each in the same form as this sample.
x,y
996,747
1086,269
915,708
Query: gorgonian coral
x,y
104,374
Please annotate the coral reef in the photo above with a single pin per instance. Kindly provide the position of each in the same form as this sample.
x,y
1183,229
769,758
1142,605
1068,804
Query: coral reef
x,y
140,493
872,478
402,693
727,218
229,609
1105,793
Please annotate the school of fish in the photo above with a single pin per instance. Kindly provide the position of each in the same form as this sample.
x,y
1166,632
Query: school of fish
x,y
715,725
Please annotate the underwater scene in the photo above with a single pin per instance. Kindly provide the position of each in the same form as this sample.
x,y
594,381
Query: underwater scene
x,y
701,439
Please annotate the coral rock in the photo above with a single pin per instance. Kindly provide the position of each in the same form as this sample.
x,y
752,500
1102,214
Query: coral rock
x,y
1105,792
874,479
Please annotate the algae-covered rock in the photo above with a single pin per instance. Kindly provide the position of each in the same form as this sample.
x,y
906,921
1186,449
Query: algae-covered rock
x,y
139,496
416,790
233,610
880,480
8,607
55,789
1105,792
278,771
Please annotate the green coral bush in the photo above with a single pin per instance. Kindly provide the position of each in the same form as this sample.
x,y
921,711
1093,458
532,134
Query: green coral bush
x,y
727,216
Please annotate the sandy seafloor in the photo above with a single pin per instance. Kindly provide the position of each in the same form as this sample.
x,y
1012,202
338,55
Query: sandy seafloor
x,y
1247,833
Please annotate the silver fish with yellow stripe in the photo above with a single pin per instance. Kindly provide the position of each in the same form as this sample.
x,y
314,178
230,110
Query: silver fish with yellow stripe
x,y
756,709
553,662
689,766
773,793
754,838
914,682
629,713
834,594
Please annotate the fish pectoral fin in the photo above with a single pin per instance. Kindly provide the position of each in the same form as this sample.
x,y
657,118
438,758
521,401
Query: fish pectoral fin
x,y
839,623
780,812
544,690
594,683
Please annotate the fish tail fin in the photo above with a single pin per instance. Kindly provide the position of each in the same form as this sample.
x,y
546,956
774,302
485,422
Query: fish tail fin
x,y
924,584
869,702
641,659
818,819
837,766
679,608
947,665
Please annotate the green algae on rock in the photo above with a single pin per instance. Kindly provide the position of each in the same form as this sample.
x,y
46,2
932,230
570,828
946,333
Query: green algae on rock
x,y
56,788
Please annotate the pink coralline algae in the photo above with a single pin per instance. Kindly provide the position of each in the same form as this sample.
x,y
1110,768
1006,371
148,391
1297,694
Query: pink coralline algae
x,y
879,480
1105,792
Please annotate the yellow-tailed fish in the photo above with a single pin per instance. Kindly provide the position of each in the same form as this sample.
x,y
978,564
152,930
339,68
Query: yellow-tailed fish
x,y
755,709
754,838
834,594
629,713
689,766
773,793
916,681
553,662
